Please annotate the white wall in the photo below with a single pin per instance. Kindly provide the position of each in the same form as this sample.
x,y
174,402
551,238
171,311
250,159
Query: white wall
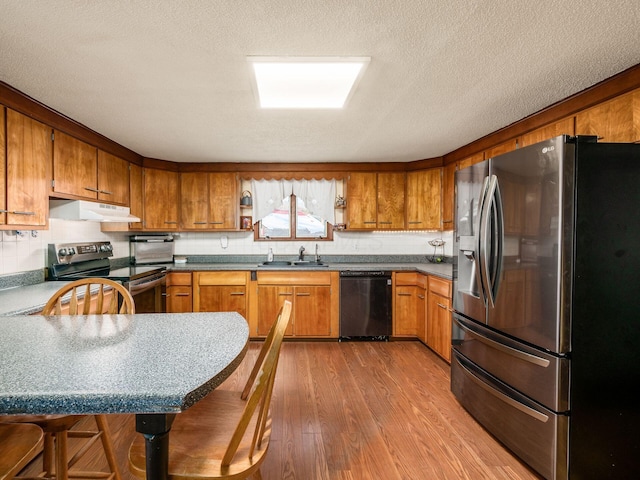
x,y
25,252
344,243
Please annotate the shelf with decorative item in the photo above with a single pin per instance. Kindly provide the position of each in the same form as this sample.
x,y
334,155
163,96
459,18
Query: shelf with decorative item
x,y
246,201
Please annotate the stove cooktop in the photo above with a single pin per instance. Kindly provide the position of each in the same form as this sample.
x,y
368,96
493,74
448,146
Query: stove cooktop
x,y
134,272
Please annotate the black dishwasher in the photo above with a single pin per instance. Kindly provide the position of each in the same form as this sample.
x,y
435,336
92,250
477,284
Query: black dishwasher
x,y
365,305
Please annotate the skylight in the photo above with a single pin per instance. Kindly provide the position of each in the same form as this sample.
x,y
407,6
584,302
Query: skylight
x,y
306,82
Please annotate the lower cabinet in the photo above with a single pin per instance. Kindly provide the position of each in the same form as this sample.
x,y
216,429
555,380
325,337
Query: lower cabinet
x,y
221,292
409,312
179,292
106,300
314,297
439,317
422,309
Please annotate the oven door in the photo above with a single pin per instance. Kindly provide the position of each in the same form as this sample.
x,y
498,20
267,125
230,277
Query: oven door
x,y
149,293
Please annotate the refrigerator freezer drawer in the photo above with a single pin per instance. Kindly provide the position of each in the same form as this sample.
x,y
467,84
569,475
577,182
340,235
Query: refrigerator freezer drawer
x,y
537,435
537,374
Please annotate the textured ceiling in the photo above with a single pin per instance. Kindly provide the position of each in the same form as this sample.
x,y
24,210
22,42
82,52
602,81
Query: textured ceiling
x,y
170,80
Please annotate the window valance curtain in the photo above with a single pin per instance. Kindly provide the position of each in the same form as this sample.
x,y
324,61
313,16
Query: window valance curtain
x,y
317,195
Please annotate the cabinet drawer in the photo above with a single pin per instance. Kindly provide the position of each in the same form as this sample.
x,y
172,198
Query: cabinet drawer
x,y
220,278
440,286
182,278
406,278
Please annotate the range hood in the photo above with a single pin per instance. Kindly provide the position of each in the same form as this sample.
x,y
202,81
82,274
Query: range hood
x,y
92,211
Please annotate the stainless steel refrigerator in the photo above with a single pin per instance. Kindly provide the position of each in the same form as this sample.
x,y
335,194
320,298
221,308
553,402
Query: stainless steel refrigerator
x,y
546,331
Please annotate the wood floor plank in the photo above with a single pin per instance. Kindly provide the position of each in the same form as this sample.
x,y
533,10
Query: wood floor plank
x,y
361,411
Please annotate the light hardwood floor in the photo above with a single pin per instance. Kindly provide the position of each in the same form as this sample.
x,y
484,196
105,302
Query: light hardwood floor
x,y
364,410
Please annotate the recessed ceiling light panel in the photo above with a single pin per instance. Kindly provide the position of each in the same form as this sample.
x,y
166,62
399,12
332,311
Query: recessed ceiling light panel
x,y
306,82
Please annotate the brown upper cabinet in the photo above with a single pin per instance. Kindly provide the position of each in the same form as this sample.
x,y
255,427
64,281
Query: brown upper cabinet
x,y
113,179
25,171
566,126
448,193
160,199
136,186
505,147
472,160
375,201
82,171
424,194
75,167
361,201
616,120
209,201
390,197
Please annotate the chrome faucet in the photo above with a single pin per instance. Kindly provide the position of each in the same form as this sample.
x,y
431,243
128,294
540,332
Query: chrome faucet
x,y
317,257
301,254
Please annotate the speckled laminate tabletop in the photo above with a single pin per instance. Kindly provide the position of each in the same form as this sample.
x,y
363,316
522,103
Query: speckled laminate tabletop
x,y
142,363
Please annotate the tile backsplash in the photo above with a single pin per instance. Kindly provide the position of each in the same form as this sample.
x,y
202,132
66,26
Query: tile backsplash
x,y
26,250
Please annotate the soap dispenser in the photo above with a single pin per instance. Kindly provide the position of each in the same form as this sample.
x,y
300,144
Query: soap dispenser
x,y
270,255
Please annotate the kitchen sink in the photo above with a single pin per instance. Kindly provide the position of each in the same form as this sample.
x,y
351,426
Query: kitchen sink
x,y
305,263
300,263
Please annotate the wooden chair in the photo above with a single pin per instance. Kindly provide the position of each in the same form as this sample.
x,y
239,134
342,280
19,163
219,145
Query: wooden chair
x,y
100,296
110,297
19,444
226,434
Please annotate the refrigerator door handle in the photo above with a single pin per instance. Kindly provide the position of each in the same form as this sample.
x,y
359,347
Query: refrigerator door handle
x,y
484,238
527,357
541,417
479,266
491,232
497,238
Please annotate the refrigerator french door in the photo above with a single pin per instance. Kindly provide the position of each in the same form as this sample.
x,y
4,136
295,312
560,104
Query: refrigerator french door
x,y
546,239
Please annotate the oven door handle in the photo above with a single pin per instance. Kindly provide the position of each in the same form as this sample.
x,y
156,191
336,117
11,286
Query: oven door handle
x,y
135,289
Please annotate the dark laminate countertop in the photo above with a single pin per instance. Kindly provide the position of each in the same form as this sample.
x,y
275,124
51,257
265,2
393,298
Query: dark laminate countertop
x,y
26,300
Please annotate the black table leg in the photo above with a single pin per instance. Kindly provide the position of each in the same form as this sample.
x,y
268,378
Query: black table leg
x,y
155,427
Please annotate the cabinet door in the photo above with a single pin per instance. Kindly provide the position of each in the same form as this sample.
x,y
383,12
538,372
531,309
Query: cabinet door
x,y
390,198
223,201
421,313
361,201
223,298
439,325
194,201
312,311
505,147
179,299
75,167
136,204
113,179
423,199
179,292
28,171
472,160
617,120
405,308
565,126
270,300
160,199
448,193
